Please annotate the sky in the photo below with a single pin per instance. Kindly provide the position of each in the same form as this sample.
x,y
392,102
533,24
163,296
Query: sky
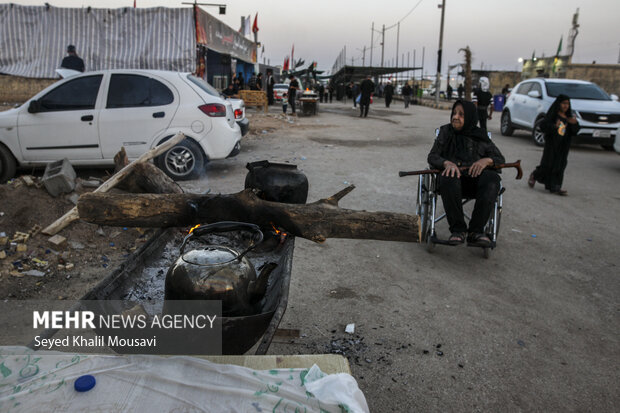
x,y
498,32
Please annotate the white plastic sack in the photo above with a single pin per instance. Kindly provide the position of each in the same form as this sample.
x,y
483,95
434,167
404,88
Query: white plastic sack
x,y
43,382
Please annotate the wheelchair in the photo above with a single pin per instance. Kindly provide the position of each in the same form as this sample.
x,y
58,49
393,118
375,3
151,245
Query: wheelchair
x,y
426,209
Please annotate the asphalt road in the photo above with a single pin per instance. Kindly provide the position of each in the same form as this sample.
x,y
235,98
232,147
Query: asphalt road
x,y
533,328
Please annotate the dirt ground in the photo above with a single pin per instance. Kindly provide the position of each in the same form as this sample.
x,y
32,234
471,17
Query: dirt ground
x,y
533,328
48,271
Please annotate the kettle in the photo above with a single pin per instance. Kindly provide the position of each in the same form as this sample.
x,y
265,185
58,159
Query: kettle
x,y
216,272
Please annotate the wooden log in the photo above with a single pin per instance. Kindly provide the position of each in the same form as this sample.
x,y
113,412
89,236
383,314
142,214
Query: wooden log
x,y
73,215
146,178
316,221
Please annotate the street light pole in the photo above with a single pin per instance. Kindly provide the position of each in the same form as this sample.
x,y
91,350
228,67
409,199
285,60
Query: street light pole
x,y
397,41
372,39
382,44
438,79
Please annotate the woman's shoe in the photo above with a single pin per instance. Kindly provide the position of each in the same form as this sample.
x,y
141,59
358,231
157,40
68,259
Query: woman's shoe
x,y
562,192
478,240
456,238
531,181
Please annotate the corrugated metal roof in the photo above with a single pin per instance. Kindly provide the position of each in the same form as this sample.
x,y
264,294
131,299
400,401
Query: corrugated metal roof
x,y
34,39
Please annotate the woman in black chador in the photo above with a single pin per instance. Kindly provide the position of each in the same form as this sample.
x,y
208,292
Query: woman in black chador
x,y
462,143
559,126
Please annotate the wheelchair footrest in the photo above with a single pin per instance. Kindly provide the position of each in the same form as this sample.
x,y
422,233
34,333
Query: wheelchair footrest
x,y
439,241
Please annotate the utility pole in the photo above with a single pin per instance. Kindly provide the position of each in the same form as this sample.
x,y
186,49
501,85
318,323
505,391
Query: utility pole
x,y
372,39
422,72
364,57
438,79
382,44
397,41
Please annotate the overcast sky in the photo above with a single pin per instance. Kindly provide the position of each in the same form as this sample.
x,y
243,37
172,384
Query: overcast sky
x,y
497,31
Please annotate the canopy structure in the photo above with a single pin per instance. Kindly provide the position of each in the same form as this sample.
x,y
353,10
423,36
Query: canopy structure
x,y
34,39
348,74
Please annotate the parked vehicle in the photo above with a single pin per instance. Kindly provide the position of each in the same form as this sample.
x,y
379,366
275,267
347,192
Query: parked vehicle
x,y
279,89
238,105
87,118
597,112
617,141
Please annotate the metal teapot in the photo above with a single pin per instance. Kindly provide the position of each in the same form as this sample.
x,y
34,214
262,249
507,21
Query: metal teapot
x,y
216,272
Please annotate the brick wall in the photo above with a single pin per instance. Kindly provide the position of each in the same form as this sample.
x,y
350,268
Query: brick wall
x,y
15,89
606,76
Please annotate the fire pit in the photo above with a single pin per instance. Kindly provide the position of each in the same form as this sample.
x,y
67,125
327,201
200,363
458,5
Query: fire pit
x,y
309,103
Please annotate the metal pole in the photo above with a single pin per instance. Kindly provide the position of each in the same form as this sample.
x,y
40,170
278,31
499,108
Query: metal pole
x,y
372,39
382,44
438,79
397,41
408,65
364,57
413,77
422,71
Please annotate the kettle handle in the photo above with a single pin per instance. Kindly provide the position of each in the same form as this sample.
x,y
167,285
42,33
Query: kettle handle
x,y
226,226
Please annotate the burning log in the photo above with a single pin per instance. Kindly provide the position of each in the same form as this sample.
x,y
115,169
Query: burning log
x,y
316,221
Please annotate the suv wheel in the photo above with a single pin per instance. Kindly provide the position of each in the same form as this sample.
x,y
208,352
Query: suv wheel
x,y
183,161
506,126
7,164
537,133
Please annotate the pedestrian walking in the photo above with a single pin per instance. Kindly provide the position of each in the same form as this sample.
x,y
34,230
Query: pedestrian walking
x,y
293,87
450,90
72,61
355,91
270,82
366,89
559,126
406,91
483,103
388,93
460,90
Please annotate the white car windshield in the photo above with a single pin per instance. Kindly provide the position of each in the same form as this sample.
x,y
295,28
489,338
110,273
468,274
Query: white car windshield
x,y
280,86
588,91
204,86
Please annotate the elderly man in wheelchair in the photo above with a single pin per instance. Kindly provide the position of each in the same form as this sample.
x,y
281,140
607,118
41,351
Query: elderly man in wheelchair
x,y
466,156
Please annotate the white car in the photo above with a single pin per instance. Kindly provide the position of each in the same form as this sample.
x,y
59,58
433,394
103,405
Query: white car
x,y
598,114
238,105
89,117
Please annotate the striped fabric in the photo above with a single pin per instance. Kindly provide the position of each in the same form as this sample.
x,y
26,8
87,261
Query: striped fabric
x,y
34,39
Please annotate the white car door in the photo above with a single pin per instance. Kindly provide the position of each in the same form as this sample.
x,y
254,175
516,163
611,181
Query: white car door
x,y
137,108
533,105
520,97
62,123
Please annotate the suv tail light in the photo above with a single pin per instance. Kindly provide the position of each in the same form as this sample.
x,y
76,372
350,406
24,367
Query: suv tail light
x,y
215,110
238,113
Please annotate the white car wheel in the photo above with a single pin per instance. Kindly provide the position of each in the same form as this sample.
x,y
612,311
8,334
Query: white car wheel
x,y
183,161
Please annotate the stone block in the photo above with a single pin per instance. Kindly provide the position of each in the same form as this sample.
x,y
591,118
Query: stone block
x,y
59,177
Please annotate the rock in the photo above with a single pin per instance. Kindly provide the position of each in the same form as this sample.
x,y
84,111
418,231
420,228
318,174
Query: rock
x,y
22,247
350,328
73,198
57,240
2,254
76,245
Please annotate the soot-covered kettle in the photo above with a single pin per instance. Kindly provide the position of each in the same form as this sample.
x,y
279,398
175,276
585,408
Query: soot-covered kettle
x,y
216,272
